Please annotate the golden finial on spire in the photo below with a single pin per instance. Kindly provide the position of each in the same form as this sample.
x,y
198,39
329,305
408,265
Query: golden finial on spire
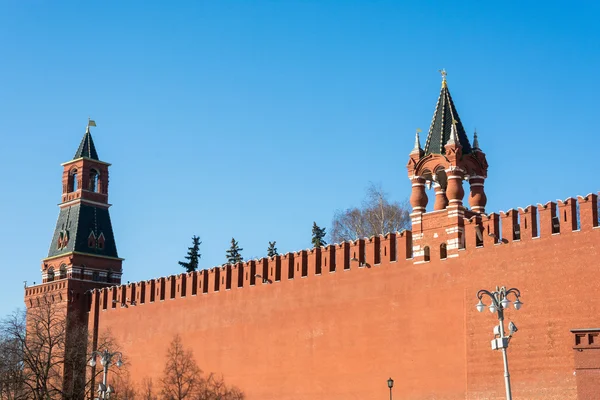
x,y
443,73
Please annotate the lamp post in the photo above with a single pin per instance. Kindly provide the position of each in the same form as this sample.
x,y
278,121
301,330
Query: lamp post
x,y
390,383
500,303
106,361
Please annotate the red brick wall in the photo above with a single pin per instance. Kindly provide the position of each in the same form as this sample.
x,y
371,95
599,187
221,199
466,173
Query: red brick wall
x,y
341,334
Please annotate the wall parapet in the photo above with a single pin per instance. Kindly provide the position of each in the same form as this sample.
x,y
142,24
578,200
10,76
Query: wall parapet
x,y
481,230
376,251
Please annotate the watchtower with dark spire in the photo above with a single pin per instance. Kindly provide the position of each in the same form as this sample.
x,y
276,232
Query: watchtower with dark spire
x,y
82,254
447,160
83,246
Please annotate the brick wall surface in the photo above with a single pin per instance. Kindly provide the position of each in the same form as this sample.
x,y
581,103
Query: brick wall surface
x,y
341,334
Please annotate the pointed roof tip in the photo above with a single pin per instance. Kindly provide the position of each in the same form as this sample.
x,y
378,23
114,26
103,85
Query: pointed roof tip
x,y
475,141
417,148
87,148
444,74
446,120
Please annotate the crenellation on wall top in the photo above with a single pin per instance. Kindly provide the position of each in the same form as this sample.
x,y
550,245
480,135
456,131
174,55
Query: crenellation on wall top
x,y
527,209
508,213
236,276
546,206
587,197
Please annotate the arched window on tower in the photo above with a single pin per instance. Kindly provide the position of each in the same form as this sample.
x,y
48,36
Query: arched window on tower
x,y
62,272
50,274
93,182
443,251
426,254
73,180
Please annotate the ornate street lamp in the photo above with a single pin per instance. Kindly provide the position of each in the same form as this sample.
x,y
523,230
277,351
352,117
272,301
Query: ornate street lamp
x,y
106,357
390,383
500,303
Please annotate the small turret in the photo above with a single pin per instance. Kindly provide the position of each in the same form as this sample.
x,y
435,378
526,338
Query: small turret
x,y
447,160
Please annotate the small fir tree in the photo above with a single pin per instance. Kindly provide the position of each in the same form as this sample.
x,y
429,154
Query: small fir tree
x,y
272,250
193,255
233,254
318,236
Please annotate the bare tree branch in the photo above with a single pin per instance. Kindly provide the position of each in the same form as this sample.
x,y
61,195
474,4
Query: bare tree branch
x,y
376,216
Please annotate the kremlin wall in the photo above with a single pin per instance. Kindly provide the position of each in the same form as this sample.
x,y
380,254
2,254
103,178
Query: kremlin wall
x,y
336,322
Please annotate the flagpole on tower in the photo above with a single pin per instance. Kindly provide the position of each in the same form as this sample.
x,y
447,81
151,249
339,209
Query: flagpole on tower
x,y
91,122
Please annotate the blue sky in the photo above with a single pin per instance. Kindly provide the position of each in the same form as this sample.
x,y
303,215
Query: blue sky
x,y
253,119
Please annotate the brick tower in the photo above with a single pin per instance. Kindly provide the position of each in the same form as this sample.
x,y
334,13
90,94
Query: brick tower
x,y
82,254
447,160
83,246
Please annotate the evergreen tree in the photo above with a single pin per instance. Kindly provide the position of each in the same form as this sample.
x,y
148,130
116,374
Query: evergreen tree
x,y
233,254
272,250
193,255
318,236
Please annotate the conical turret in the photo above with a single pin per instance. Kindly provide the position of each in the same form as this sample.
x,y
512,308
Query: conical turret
x,y
444,118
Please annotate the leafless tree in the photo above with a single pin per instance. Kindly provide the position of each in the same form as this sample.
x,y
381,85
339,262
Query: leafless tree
x,y
11,370
39,339
182,376
214,388
376,216
124,389
183,379
147,390
44,354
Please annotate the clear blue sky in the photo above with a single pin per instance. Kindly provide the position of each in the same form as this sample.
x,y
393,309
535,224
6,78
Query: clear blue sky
x,y
253,119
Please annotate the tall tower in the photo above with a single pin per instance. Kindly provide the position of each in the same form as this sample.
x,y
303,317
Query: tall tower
x,y
447,160
83,246
82,256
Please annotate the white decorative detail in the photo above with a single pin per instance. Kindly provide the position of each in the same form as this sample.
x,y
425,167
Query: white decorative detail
x,y
454,168
417,148
453,134
435,235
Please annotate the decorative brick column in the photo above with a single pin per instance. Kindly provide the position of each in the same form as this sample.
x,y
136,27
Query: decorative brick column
x,y
455,191
418,198
441,201
477,197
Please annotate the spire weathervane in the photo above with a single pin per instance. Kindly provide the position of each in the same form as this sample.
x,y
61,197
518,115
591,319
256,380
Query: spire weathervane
x,y
91,122
443,73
